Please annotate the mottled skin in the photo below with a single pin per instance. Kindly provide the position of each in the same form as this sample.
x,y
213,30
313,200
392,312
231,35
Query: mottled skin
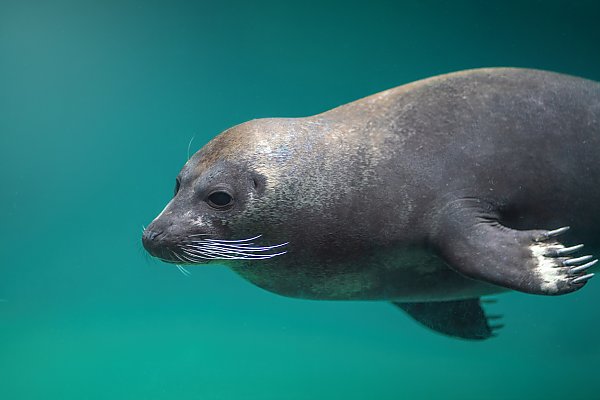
x,y
431,191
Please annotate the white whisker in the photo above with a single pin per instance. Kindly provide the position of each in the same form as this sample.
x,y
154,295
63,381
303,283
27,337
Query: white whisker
x,y
183,270
213,253
227,254
240,247
189,146
200,234
187,258
229,250
234,241
197,251
198,256
177,256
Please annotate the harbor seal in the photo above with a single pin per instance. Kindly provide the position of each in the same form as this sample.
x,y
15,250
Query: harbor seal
x,y
429,196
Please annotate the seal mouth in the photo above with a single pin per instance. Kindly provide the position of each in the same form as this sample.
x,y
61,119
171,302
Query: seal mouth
x,y
204,249
201,249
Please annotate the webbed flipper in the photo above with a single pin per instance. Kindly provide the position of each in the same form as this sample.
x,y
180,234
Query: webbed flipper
x,y
463,319
531,261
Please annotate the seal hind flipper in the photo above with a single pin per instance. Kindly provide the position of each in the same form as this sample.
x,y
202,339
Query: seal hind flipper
x,y
477,245
460,318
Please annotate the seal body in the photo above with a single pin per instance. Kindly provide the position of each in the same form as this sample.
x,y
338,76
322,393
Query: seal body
x,y
442,190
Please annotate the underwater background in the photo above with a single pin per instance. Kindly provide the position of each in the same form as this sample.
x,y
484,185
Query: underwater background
x,y
98,102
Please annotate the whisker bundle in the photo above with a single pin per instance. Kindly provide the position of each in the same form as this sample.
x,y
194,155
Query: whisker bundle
x,y
203,249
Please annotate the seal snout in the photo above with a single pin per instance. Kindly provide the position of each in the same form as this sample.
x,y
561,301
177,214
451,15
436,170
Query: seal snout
x,y
149,235
153,243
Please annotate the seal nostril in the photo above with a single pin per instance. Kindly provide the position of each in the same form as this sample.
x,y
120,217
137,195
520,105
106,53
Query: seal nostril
x,y
151,243
151,235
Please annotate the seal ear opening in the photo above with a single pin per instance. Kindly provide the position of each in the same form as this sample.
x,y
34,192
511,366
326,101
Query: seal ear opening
x,y
258,182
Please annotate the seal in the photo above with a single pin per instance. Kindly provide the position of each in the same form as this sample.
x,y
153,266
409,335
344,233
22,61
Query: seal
x,y
429,195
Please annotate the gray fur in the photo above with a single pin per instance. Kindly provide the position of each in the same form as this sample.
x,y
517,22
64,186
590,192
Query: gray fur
x,y
433,191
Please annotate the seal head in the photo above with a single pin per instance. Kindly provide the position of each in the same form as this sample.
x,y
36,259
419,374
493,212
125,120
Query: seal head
x,y
216,211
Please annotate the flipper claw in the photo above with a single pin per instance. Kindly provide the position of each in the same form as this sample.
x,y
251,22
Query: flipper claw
x,y
559,273
576,270
582,279
564,251
528,260
555,232
578,260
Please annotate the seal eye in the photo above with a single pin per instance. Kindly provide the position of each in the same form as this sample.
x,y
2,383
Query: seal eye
x,y
220,199
177,185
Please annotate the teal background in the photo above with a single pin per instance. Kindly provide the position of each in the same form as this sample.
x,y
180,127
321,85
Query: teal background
x,y
98,102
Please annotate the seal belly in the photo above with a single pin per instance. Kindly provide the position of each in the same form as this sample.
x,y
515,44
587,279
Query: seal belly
x,y
398,275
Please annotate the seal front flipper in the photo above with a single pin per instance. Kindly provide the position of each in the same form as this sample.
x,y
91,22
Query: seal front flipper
x,y
475,244
461,318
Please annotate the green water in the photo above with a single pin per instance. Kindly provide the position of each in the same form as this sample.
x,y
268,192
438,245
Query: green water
x,y
98,101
